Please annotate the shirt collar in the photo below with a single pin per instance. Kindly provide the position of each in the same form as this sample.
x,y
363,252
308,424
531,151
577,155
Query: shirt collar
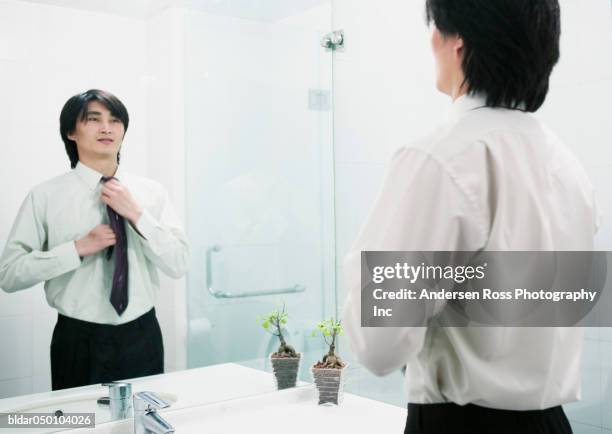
x,y
92,177
466,103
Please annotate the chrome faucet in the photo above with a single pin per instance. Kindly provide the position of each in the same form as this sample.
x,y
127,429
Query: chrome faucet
x,y
119,399
146,419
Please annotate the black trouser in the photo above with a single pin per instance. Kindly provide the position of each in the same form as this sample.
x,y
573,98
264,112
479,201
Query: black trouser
x,y
472,419
85,353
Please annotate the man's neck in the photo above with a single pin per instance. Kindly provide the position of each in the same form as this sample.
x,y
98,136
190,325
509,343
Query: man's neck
x,y
105,167
458,91
459,87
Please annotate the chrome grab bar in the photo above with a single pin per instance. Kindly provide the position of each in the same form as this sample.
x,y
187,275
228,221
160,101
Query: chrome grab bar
x,y
225,294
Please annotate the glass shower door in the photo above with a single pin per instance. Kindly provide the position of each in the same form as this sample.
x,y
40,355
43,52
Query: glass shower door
x,y
259,176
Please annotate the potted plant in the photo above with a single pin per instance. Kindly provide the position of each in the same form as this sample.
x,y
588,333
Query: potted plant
x,y
285,361
329,373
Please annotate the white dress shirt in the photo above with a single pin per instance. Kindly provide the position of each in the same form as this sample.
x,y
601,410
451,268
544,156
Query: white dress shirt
x,y
64,209
492,179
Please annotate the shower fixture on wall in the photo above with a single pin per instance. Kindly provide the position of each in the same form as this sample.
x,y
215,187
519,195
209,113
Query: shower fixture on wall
x,y
333,40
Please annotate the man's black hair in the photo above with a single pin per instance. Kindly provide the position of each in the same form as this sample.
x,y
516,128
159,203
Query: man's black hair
x,y
510,46
75,109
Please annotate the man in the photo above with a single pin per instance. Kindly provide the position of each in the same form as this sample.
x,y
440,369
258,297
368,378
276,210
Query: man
x,y
494,178
96,236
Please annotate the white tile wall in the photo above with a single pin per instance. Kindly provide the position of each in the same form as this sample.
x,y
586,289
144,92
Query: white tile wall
x,y
42,330
17,30
18,303
606,334
41,383
16,386
601,178
17,337
579,114
586,38
606,384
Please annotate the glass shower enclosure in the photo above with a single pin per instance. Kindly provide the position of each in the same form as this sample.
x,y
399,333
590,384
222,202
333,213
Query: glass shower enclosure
x,y
260,177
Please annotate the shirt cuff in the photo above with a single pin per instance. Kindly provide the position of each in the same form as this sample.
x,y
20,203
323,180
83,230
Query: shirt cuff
x,y
67,256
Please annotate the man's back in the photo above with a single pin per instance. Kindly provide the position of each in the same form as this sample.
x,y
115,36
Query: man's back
x,y
529,193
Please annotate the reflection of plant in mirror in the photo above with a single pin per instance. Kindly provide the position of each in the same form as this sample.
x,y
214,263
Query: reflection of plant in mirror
x,y
329,330
273,323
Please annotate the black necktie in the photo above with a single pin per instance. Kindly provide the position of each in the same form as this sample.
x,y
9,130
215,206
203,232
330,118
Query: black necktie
x,y
119,291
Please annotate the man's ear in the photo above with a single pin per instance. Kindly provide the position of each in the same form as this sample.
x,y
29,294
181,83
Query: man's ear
x,y
458,46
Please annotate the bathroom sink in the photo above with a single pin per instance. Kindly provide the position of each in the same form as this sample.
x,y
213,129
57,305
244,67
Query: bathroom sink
x,y
190,388
224,398
295,410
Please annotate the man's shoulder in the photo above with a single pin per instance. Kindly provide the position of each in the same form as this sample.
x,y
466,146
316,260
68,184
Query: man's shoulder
x,y
436,146
481,129
58,184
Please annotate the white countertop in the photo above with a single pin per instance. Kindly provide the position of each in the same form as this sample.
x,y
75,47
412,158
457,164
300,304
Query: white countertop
x,y
230,398
292,410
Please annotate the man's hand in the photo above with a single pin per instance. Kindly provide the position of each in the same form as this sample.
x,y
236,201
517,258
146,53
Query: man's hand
x,y
119,198
99,238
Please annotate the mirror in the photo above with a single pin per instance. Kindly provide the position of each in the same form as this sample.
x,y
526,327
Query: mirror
x,y
230,111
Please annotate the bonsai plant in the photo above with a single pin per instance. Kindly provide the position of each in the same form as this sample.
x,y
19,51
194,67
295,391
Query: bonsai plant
x,y
285,361
328,373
